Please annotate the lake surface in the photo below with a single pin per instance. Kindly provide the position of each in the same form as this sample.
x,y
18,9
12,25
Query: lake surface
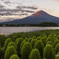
x,y
10,30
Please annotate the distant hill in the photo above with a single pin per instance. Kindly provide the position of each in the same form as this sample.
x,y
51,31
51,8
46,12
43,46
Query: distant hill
x,y
37,18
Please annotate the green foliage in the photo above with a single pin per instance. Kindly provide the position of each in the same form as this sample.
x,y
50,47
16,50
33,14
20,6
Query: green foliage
x,y
40,46
25,51
38,38
12,44
29,40
22,44
2,40
50,42
26,39
14,56
34,37
0,51
44,40
18,42
49,39
9,52
56,42
7,42
49,52
33,42
35,54
57,48
57,56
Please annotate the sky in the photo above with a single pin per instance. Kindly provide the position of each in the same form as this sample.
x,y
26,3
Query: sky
x,y
16,9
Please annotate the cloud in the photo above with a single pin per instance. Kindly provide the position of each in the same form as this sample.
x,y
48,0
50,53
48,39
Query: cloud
x,y
1,6
19,10
27,7
14,12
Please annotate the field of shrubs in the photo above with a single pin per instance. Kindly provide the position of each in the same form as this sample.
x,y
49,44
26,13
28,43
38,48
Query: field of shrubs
x,y
30,45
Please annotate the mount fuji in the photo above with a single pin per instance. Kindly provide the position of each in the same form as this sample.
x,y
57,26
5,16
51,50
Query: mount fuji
x,y
36,18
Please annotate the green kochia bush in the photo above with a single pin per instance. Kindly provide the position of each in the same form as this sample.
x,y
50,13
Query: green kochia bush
x,y
18,42
35,54
29,40
33,42
49,52
14,56
7,42
50,42
9,52
44,40
57,56
22,44
40,46
2,40
0,51
57,48
25,51
11,44
26,39
56,42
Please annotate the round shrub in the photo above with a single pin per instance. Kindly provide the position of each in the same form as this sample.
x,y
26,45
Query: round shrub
x,y
57,48
57,56
56,42
9,52
50,42
7,42
0,51
29,40
40,46
14,56
43,39
26,39
48,52
11,44
33,42
35,54
22,44
39,37
49,39
34,37
18,42
25,51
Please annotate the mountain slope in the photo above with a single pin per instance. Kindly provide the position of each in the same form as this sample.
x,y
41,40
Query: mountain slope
x,y
36,18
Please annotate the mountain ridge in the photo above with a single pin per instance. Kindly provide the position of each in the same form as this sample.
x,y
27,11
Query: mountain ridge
x,y
38,17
